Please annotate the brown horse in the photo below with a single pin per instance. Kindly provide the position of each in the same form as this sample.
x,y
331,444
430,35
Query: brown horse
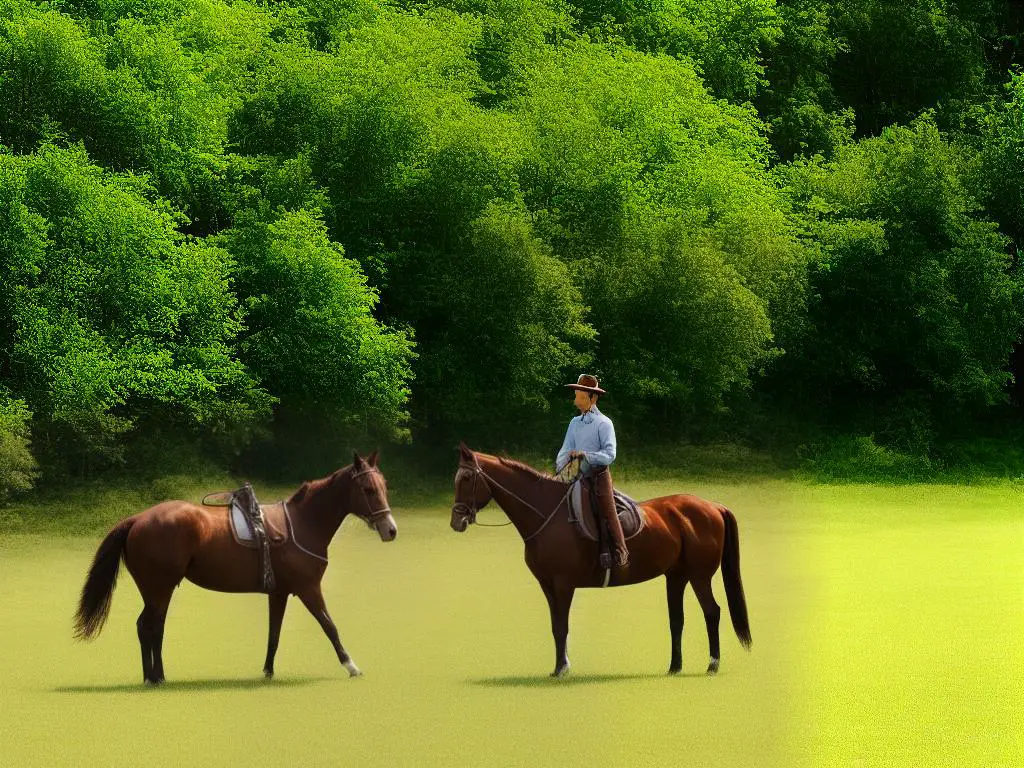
x,y
178,540
685,539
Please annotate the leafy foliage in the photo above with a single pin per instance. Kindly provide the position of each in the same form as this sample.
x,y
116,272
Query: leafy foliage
x,y
917,301
18,468
222,220
112,313
310,335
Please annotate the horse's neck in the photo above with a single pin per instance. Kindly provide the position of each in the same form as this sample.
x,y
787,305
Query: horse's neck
x,y
322,510
515,491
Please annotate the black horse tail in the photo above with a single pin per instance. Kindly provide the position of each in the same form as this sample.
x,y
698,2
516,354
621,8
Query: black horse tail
x,y
94,605
733,582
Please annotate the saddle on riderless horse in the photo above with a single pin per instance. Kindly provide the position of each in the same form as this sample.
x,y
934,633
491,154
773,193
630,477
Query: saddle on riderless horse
x,y
254,525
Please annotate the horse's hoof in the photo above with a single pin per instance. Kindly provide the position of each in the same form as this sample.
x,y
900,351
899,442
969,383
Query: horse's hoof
x,y
268,673
713,667
353,670
561,671
675,670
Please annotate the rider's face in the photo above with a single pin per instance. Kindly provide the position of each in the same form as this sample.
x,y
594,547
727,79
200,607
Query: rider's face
x,y
583,400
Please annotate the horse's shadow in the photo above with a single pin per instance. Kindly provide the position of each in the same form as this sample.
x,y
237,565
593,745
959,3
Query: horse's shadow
x,y
236,684
572,679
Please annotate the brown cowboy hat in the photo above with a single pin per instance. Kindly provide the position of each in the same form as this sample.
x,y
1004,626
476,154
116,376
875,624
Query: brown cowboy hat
x,y
587,383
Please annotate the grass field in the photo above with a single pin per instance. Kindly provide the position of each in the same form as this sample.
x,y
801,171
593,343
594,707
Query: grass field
x,y
888,628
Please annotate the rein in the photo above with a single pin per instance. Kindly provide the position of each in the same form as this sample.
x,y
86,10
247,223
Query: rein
x,y
295,540
471,510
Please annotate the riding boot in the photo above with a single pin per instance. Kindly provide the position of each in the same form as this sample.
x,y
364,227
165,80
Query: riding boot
x,y
603,492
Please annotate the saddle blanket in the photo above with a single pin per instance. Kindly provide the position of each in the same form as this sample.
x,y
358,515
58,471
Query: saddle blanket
x,y
273,523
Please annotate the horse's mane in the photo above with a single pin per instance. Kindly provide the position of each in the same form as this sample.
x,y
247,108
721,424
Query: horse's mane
x,y
310,486
526,468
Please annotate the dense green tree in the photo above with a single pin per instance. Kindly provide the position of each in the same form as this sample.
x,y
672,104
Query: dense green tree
x,y
865,64
726,39
997,146
658,197
209,206
310,335
917,302
800,103
112,314
18,467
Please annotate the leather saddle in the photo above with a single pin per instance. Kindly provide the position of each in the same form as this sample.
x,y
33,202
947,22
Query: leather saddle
x,y
581,512
274,520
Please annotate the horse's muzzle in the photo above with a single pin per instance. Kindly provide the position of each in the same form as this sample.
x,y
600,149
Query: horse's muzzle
x,y
461,520
386,528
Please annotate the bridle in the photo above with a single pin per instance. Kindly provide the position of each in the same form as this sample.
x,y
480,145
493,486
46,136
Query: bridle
x,y
469,511
370,518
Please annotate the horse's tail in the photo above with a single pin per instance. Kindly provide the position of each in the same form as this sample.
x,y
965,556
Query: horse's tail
x,y
94,605
733,582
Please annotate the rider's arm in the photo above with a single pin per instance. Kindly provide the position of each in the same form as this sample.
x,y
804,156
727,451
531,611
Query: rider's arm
x,y
605,455
569,444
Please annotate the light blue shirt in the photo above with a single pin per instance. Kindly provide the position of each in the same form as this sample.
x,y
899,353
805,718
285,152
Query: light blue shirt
x,y
593,433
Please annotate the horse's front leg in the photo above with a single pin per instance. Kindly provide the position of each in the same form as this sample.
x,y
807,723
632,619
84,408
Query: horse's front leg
x,y
675,585
313,599
278,602
559,603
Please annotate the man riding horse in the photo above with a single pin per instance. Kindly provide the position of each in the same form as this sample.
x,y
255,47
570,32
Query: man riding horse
x,y
590,439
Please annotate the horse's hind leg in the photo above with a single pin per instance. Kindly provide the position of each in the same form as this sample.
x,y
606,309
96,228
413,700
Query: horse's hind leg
x,y
712,615
158,618
151,633
157,555
156,591
675,585
150,626
146,643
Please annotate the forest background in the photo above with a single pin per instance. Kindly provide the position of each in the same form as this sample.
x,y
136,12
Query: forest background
x,y
247,237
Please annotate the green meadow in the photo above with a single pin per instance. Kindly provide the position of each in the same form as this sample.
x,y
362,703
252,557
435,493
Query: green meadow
x,y
888,626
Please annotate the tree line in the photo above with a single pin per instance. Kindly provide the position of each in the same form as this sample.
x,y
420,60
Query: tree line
x,y
228,222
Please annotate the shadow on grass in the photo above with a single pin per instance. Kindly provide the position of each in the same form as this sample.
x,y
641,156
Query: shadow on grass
x,y
240,684
537,681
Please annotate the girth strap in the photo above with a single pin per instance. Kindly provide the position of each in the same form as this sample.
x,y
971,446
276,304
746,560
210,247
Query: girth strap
x,y
251,508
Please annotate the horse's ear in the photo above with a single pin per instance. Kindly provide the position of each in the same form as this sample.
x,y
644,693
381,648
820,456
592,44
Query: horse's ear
x,y
357,461
467,455
300,494
372,458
